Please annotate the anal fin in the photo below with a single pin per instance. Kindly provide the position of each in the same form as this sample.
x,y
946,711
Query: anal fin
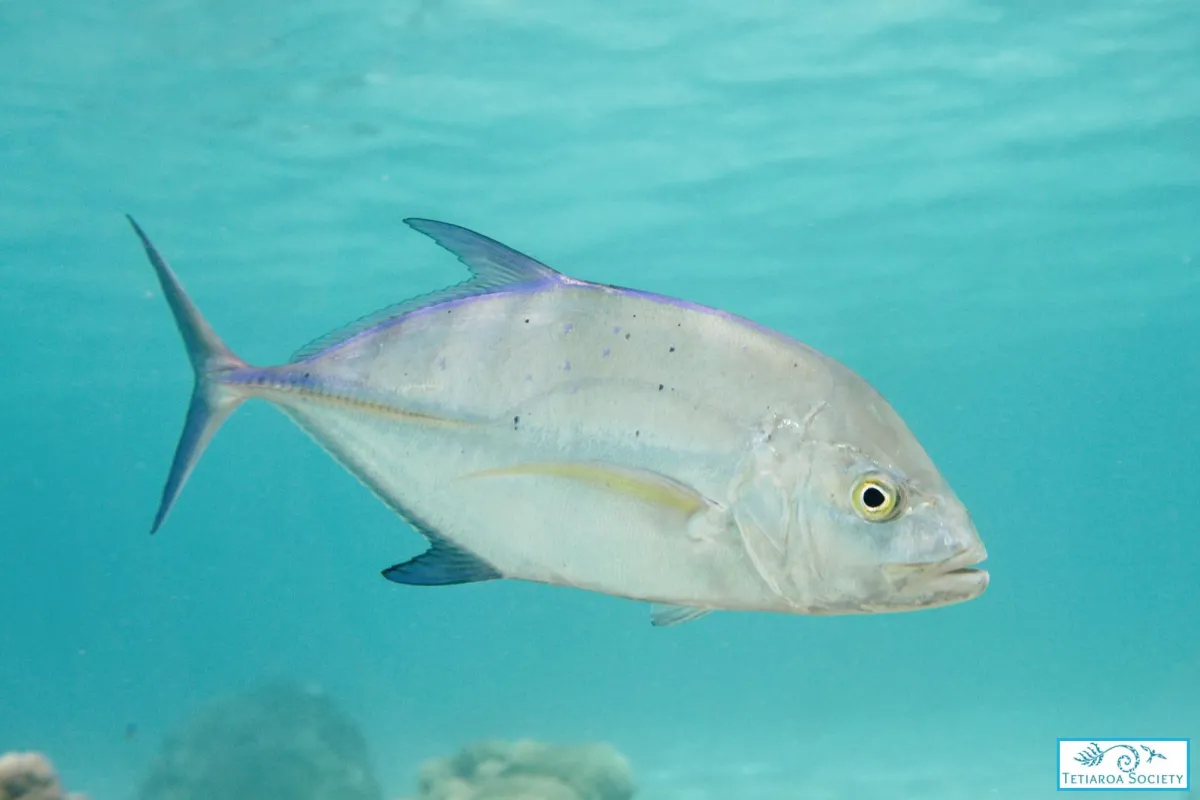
x,y
443,564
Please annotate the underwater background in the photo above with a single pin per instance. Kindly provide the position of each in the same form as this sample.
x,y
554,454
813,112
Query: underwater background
x,y
990,210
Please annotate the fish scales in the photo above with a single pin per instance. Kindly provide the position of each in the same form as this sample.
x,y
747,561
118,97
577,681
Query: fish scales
x,y
538,427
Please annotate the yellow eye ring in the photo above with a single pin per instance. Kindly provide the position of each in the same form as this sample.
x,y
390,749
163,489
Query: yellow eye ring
x,y
876,498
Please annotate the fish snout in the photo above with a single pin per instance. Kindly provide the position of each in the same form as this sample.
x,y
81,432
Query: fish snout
x,y
949,573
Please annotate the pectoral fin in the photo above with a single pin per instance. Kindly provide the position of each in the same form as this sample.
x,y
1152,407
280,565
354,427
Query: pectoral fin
x,y
645,485
664,616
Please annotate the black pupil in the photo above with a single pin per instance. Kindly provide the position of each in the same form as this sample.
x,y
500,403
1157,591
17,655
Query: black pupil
x,y
873,498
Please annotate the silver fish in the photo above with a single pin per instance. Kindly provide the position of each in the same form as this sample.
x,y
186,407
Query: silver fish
x,y
541,428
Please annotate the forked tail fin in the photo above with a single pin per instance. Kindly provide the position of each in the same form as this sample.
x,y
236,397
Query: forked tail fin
x,y
212,400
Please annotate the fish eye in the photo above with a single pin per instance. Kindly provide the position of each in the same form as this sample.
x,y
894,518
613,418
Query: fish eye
x,y
876,498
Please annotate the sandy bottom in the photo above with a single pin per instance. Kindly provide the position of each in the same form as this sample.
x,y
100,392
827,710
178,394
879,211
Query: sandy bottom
x,y
1005,754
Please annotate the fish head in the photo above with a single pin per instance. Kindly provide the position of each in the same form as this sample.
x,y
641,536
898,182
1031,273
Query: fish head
x,y
875,527
879,540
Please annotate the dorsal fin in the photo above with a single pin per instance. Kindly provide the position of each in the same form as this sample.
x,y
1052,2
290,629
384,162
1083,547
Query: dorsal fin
x,y
494,267
486,258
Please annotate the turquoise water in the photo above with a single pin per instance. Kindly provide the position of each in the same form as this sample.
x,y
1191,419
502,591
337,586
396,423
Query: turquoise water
x,y
990,210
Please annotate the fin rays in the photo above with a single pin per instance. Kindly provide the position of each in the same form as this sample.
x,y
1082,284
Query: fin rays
x,y
664,616
494,267
212,402
444,563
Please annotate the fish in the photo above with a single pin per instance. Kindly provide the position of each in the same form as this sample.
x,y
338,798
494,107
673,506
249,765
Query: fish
x,y
537,427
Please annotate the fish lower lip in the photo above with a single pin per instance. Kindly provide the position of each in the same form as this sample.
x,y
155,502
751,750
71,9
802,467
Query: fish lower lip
x,y
952,579
962,583
959,565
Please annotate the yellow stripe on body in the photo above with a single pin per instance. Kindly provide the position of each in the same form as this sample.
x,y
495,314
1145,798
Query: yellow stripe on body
x,y
643,485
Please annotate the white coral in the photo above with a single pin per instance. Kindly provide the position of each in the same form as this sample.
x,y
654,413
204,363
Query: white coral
x,y
30,776
528,770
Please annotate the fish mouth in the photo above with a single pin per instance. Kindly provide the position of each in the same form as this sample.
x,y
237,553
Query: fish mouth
x,y
965,563
916,586
956,578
